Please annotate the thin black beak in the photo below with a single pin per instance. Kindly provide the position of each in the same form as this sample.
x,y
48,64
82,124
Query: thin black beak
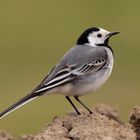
x,y
112,33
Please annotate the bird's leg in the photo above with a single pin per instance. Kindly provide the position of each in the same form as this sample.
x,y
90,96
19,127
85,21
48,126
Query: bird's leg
x,y
68,98
76,97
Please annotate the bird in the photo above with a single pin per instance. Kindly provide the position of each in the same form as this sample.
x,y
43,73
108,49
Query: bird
x,y
82,70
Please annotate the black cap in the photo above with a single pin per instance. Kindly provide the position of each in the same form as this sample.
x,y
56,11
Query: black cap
x,y
83,37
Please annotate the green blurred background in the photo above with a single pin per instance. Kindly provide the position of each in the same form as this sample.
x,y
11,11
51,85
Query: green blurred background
x,y
35,34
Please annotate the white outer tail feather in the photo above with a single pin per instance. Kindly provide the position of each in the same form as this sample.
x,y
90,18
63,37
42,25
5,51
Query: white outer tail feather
x,y
11,109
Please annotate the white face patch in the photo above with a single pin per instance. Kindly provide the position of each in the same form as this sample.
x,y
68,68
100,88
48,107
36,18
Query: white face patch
x,y
97,37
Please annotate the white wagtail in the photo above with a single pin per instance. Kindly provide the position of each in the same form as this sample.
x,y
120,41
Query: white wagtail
x,y
83,69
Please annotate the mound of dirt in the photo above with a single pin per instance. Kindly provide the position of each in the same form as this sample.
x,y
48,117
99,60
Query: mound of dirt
x,y
103,124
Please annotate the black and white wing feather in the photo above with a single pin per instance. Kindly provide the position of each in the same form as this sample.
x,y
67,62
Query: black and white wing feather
x,y
70,73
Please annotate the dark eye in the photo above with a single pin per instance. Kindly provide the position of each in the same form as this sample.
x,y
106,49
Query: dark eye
x,y
99,35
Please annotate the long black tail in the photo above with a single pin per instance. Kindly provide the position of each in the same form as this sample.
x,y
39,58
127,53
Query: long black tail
x,y
18,104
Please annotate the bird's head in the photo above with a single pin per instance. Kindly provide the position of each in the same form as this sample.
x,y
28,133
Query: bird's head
x,y
95,37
